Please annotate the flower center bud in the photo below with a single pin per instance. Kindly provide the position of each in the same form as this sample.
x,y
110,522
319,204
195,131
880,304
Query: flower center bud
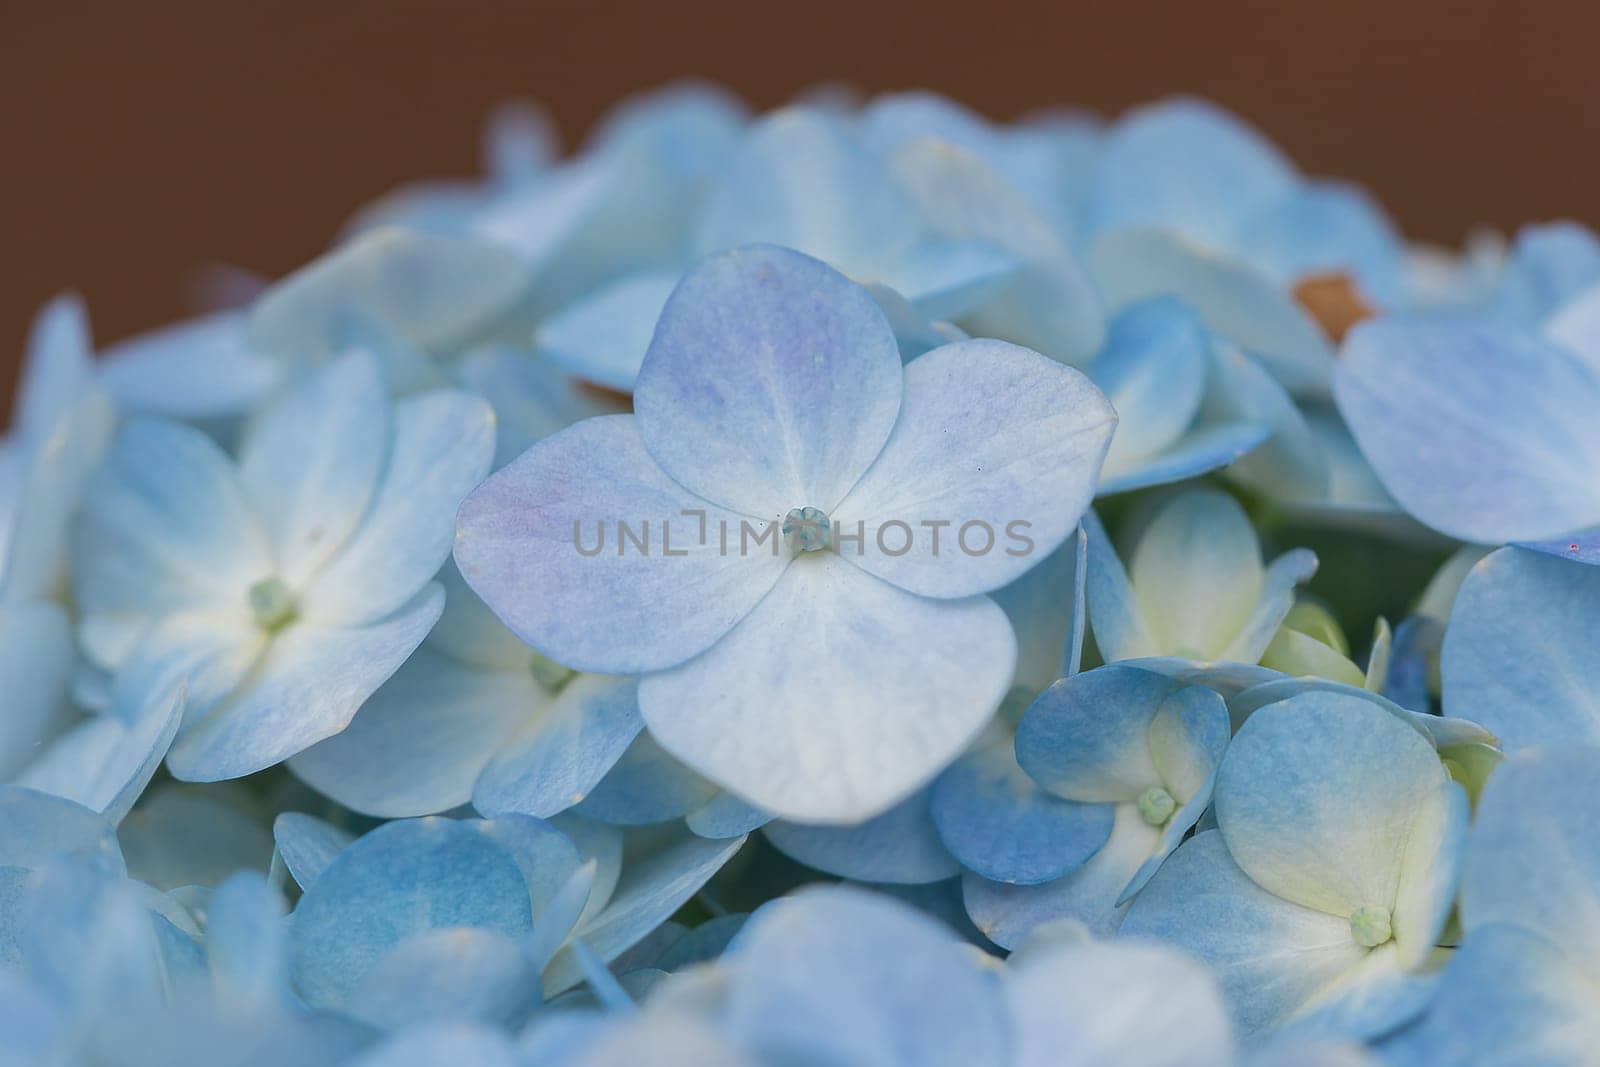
x,y
1369,925
272,604
1156,806
806,529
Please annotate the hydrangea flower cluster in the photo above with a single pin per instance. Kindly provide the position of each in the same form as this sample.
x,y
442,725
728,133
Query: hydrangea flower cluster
x,y
858,585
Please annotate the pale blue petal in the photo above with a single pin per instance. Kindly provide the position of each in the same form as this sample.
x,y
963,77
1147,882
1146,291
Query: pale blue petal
x,y
999,824
1292,462
947,279
1120,630
165,526
1481,432
1097,1003
1207,448
1270,956
1046,609
246,942
772,383
997,449
105,762
661,871
1186,165
1227,679
1087,738
431,1044
777,720
36,664
561,754
1326,228
603,337
458,973
840,975
1233,299
1576,326
1580,547
519,536
725,815
403,879
443,445
1361,782
418,744
1528,865
36,828
705,942
900,846
645,785
1278,584
1515,658
1549,264
198,369
469,632
1507,996
310,684
1049,305
310,462
57,371
430,290
1417,642
1007,914
1153,370
803,181
532,397
307,845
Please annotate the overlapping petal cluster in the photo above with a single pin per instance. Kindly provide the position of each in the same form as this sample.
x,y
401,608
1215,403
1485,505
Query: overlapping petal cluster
x,y
859,584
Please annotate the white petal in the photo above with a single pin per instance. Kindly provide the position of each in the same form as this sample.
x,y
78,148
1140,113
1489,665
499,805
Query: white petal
x,y
838,696
997,449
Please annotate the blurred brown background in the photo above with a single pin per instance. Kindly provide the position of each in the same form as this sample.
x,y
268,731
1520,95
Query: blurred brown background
x,y
142,139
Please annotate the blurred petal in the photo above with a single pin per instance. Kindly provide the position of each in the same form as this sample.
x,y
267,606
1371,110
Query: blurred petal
x,y
645,785
1097,1003
1197,574
900,846
433,291
1233,299
603,337
840,975
1152,369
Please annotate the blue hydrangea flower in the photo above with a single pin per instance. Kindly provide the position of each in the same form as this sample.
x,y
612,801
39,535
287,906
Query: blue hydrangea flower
x,y
287,586
773,393
1324,889
1143,746
1194,588
441,919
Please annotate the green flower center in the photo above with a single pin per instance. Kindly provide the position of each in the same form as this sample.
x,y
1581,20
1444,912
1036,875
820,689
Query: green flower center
x,y
1156,806
1369,925
272,603
806,529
